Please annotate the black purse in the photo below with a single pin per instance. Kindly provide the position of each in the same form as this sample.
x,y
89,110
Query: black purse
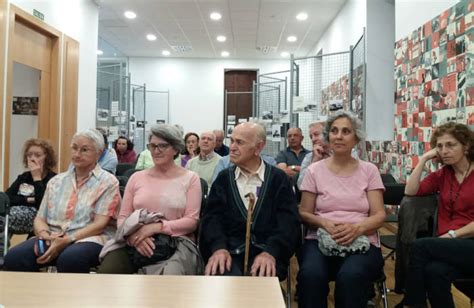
x,y
165,247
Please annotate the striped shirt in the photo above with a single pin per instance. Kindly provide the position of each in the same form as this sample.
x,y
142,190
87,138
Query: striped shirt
x,y
68,208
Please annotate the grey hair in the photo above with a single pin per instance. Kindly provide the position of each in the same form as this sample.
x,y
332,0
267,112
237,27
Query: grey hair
x,y
320,122
93,135
355,121
170,134
180,128
218,131
261,133
213,136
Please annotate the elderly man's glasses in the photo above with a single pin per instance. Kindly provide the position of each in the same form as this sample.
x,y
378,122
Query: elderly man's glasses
x,y
160,146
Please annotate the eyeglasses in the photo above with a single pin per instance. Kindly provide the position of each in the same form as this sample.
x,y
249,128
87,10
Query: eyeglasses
x,y
81,151
448,146
161,146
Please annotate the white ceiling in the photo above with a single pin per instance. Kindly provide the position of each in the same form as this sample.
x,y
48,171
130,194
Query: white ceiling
x,y
255,29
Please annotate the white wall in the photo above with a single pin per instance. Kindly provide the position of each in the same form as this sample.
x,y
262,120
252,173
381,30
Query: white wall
x,y
379,111
346,28
196,86
411,14
23,127
78,19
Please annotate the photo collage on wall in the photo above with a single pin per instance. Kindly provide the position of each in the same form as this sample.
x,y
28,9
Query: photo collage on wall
x,y
434,82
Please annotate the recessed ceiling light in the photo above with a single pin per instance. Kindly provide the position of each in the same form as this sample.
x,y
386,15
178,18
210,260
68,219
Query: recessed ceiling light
x,y
291,38
100,52
221,38
130,14
285,54
215,16
151,37
225,53
165,53
302,16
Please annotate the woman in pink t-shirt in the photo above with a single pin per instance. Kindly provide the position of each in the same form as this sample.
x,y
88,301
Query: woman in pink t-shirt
x,y
437,261
343,197
172,196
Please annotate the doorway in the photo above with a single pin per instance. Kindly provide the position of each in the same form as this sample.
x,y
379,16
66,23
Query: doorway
x,y
32,87
238,104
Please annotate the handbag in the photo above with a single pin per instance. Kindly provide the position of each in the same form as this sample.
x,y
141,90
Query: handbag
x,y
165,247
330,248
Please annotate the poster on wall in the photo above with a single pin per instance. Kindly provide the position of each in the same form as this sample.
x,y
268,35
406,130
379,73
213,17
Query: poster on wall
x,y
231,119
102,114
276,132
114,108
229,130
25,105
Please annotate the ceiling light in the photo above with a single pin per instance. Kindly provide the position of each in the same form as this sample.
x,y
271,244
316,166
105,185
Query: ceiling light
x,y
302,16
285,54
151,37
100,52
291,38
165,53
130,14
225,53
215,16
221,38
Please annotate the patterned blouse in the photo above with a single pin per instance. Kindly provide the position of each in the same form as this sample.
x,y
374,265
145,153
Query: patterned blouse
x,y
68,208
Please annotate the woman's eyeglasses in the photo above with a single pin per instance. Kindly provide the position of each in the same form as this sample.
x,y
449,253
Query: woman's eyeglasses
x,y
81,151
161,146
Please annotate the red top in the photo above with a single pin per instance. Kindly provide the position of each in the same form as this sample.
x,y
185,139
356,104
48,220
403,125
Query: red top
x,y
456,201
128,157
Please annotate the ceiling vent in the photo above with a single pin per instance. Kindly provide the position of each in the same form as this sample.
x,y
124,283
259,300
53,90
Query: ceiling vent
x,y
266,49
182,48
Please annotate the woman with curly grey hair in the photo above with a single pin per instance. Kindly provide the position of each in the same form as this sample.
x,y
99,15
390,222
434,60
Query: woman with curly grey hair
x,y
160,203
342,207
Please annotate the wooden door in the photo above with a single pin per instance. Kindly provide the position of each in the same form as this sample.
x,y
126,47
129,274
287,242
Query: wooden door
x,y
239,104
36,45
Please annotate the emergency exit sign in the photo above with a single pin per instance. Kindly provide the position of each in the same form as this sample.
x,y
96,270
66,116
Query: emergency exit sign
x,y
38,14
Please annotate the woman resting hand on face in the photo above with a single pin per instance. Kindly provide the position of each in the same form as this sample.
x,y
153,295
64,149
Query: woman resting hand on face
x,y
435,262
26,193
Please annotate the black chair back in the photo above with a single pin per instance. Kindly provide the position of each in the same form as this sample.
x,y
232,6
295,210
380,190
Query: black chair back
x,y
123,167
394,193
129,172
387,178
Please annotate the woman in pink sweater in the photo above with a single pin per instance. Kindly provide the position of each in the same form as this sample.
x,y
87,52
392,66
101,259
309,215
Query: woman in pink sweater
x,y
172,193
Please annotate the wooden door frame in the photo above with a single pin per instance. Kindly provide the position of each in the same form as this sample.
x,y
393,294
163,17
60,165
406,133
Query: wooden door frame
x,y
49,126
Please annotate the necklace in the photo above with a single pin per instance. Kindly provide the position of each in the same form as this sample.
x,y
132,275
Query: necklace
x,y
451,201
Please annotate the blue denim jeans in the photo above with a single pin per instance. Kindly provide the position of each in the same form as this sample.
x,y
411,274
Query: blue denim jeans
x,y
353,275
75,258
434,263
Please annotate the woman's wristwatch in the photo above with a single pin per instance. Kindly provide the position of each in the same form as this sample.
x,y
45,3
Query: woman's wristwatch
x,y
452,233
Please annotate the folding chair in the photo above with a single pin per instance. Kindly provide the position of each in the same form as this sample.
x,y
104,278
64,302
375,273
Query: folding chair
x,y
393,195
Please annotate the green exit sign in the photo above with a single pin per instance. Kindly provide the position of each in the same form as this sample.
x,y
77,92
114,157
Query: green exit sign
x,y
38,14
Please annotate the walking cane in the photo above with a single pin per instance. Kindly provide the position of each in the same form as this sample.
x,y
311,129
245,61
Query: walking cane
x,y
251,198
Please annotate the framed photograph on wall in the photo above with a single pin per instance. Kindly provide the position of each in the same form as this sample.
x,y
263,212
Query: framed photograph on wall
x,y
25,105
